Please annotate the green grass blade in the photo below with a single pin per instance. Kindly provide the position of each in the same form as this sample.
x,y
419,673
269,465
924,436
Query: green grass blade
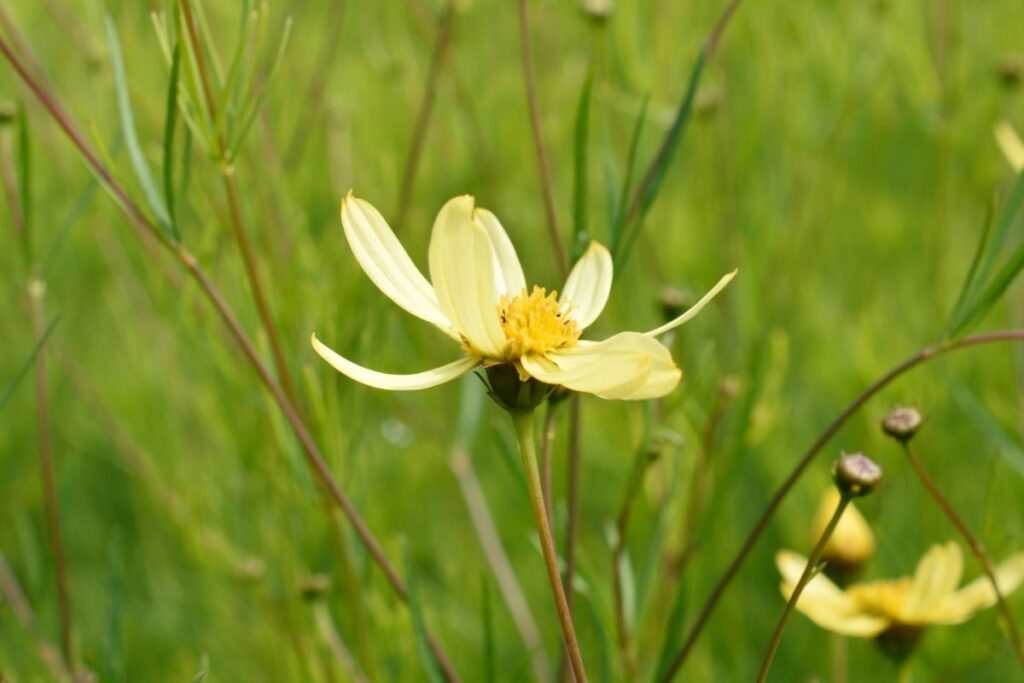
x,y
8,391
170,125
1011,269
430,665
627,182
673,632
650,186
581,235
487,622
131,137
972,272
23,161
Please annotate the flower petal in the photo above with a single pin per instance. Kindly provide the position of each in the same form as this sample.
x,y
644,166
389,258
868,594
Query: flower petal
x,y
382,380
587,288
695,309
936,577
509,278
1011,145
462,270
620,367
978,594
387,264
824,603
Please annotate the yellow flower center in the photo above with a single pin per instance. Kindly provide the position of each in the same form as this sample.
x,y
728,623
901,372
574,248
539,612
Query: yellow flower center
x,y
884,598
535,323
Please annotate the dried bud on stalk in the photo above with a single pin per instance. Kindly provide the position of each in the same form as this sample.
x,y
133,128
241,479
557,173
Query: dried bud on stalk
x,y
599,10
315,586
902,423
674,302
856,475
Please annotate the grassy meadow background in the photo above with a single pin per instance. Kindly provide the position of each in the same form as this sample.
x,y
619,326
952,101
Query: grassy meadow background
x,y
840,155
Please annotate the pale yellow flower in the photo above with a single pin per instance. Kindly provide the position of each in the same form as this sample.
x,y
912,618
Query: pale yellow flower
x,y
851,543
478,297
905,604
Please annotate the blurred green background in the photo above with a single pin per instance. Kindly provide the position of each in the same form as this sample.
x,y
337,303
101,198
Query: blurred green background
x,y
841,156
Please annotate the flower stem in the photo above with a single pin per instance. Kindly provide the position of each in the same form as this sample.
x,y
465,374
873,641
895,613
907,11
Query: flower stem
x,y
523,422
972,542
805,578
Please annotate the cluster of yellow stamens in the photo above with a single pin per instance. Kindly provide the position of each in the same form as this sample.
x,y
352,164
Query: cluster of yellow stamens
x,y
535,323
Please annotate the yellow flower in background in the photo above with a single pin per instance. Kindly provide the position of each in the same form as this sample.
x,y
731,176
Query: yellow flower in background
x,y
902,606
1010,144
851,543
478,296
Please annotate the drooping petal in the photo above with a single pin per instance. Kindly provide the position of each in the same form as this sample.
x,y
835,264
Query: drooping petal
x,y
387,264
824,603
978,594
1011,144
509,278
462,270
664,377
696,308
936,577
382,380
619,367
588,285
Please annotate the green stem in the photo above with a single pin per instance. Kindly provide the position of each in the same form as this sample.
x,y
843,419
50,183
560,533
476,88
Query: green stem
x,y
805,578
523,422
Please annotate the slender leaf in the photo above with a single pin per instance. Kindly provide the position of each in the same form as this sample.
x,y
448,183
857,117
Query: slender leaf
x,y
8,391
582,142
131,138
994,290
170,125
650,186
627,181
23,159
969,281
257,101
673,631
430,664
487,620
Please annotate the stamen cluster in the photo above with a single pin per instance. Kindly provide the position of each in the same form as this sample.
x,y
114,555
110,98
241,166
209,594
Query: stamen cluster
x,y
535,323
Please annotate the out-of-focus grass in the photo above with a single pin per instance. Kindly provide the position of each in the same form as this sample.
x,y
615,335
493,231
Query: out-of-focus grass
x,y
841,157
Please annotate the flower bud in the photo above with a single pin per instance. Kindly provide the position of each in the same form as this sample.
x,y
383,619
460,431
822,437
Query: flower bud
x,y
902,423
851,543
315,586
856,475
674,302
512,392
598,10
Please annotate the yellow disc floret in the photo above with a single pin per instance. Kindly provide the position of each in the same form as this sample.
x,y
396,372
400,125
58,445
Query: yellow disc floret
x,y
535,323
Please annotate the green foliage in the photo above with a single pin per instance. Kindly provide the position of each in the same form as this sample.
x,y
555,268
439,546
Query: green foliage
x,y
839,155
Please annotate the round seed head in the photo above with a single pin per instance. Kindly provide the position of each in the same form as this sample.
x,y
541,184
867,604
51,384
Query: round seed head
x,y
902,423
856,475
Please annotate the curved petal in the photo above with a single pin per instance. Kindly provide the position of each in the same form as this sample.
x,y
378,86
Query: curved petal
x,y
824,603
588,285
383,380
978,594
936,577
462,270
509,278
696,308
387,264
664,377
1011,145
619,367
